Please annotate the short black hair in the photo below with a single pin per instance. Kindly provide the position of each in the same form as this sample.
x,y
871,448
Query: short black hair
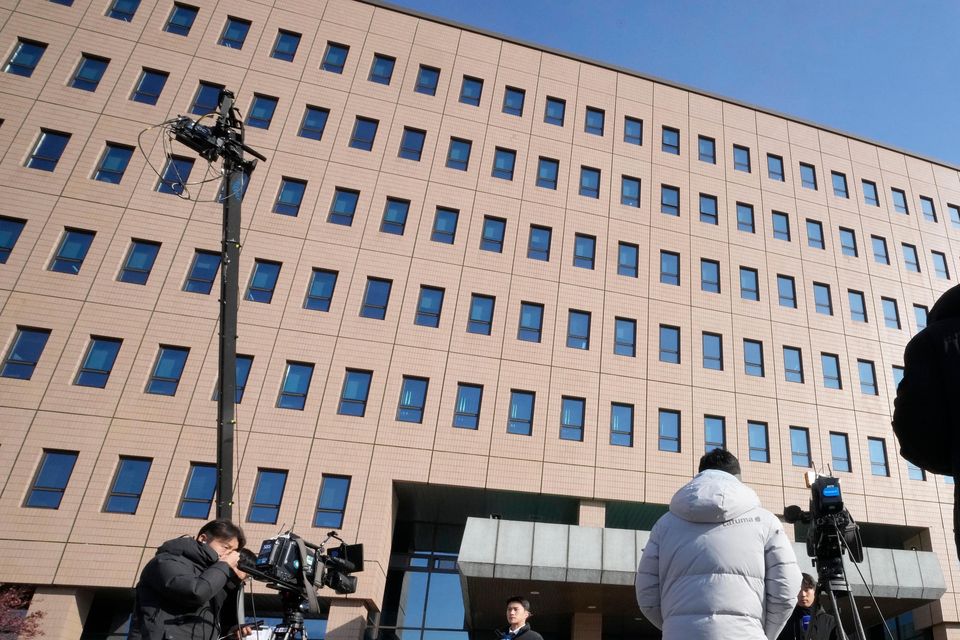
x,y
722,460
809,582
521,600
223,529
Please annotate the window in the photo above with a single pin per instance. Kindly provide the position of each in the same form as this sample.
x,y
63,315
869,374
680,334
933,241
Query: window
x,y
167,370
669,344
429,306
800,446
625,337
24,353
123,10
714,433
199,491
267,495
47,150
493,232
668,432
263,281
593,123
503,163
940,265
411,144
584,250
758,441
749,284
628,257
815,234
712,351
395,216
808,176
910,259
181,19
787,291
25,57
89,72
745,218
203,271
578,329
458,155
427,80
741,158
880,254
73,248
670,141
128,483
140,258
632,130
878,456
467,409
669,200
870,193
353,395
793,364
547,170
513,101
954,212
113,163
332,502
207,98
630,191
707,149
234,33
538,245
51,479
927,208
335,57
445,225
670,268
839,184
621,424
381,71
896,372
344,206
471,90
891,314
314,122
830,364
709,276
175,175
868,377
848,242
858,308
376,297
244,364
839,452
821,298
290,196
364,133
554,111
775,167
286,45
708,209
753,358
916,473
531,322
781,226
571,418
149,86
590,182
296,384
413,397
521,413
899,201
920,315
10,229
481,314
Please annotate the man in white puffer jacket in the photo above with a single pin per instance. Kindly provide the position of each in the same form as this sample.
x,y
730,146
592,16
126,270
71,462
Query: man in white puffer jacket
x,y
718,565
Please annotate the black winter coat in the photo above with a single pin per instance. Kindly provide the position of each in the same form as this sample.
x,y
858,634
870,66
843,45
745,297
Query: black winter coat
x,y
524,633
822,625
185,593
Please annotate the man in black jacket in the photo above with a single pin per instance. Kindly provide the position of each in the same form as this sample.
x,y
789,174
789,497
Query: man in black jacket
x,y
809,621
518,610
188,590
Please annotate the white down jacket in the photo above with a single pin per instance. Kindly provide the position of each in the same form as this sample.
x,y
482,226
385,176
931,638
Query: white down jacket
x,y
717,565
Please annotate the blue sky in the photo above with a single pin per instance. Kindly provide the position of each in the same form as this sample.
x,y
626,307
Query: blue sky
x,y
883,70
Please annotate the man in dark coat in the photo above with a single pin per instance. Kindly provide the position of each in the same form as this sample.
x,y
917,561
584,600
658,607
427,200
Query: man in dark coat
x,y
188,590
518,610
809,621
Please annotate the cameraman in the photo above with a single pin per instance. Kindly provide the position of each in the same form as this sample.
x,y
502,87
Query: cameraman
x,y
189,589
809,621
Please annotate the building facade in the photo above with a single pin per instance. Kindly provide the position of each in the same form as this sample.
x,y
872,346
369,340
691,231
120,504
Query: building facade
x,y
483,285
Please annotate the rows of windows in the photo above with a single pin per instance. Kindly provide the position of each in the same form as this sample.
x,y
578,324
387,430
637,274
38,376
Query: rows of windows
x,y
53,474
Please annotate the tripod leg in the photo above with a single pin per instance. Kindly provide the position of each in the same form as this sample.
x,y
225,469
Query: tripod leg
x,y
836,612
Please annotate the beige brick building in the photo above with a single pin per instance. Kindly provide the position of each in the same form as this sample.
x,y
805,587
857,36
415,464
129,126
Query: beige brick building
x,y
479,279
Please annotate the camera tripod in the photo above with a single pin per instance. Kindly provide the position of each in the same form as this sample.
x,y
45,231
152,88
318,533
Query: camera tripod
x,y
292,626
831,578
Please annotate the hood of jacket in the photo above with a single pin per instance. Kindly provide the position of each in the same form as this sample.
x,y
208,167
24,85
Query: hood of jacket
x,y
947,306
190,549
713,496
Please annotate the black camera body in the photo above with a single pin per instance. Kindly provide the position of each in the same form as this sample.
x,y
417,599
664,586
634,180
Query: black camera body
x,y
832,529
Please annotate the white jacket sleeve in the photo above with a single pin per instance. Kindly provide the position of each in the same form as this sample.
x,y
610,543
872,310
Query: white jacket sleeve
x,y
782,581
648,580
